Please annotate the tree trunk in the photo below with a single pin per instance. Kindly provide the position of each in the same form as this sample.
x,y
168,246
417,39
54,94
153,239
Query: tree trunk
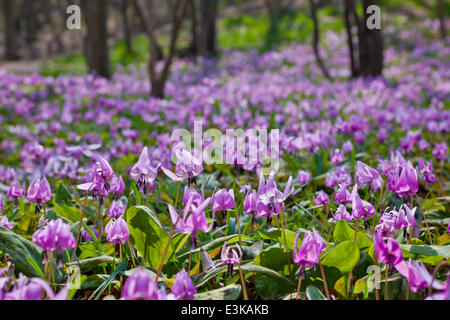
x,y
208,27
126,25
95,43
316,40
30,26
370,46
10,30
441,15
349,11
193,47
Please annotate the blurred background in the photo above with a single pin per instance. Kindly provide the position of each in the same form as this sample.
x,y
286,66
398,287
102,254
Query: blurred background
x,y
116,33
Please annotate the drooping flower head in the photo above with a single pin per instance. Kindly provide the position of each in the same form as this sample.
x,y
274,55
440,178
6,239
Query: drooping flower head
x,y
426,171
440,151
417,275
116,209
230,256
4,222
101,173
117,185
140,286
15,191
187,165
39,192
366,175
87,236
183,288
337,156
223,199
144,173
343,196
407,183
196,221
56,235
303,177
117,231
387,250
342,214
311,248
321,199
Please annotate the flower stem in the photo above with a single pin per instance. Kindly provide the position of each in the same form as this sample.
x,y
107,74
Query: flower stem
x,y
298,286
285,242
131,253
244,287
425,219
79,228
171,232
386,283
324,281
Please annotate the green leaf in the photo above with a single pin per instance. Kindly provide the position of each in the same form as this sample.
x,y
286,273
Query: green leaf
x,y
231,292
275,259
277,235
87,264
344,256
360,286
35,267
120,268
275,276
63,196
343,232
21,250
148,236
312,293
442,251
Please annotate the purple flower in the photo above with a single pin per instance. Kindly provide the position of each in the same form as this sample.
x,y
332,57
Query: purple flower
x,y
187,166
347,146
31,289
342,214
343,196
223,200
444,294
116,209
4,222
230,255
407,183
417,275
56,235
88,237
2,202
140,286
364,174
196,221
144,173
360,208
387,223
39,192
117,186
426,171
303,177
311,248
321,199
15,191
387,250
117,231
183,288
440,151
269,195
101,173
337,156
